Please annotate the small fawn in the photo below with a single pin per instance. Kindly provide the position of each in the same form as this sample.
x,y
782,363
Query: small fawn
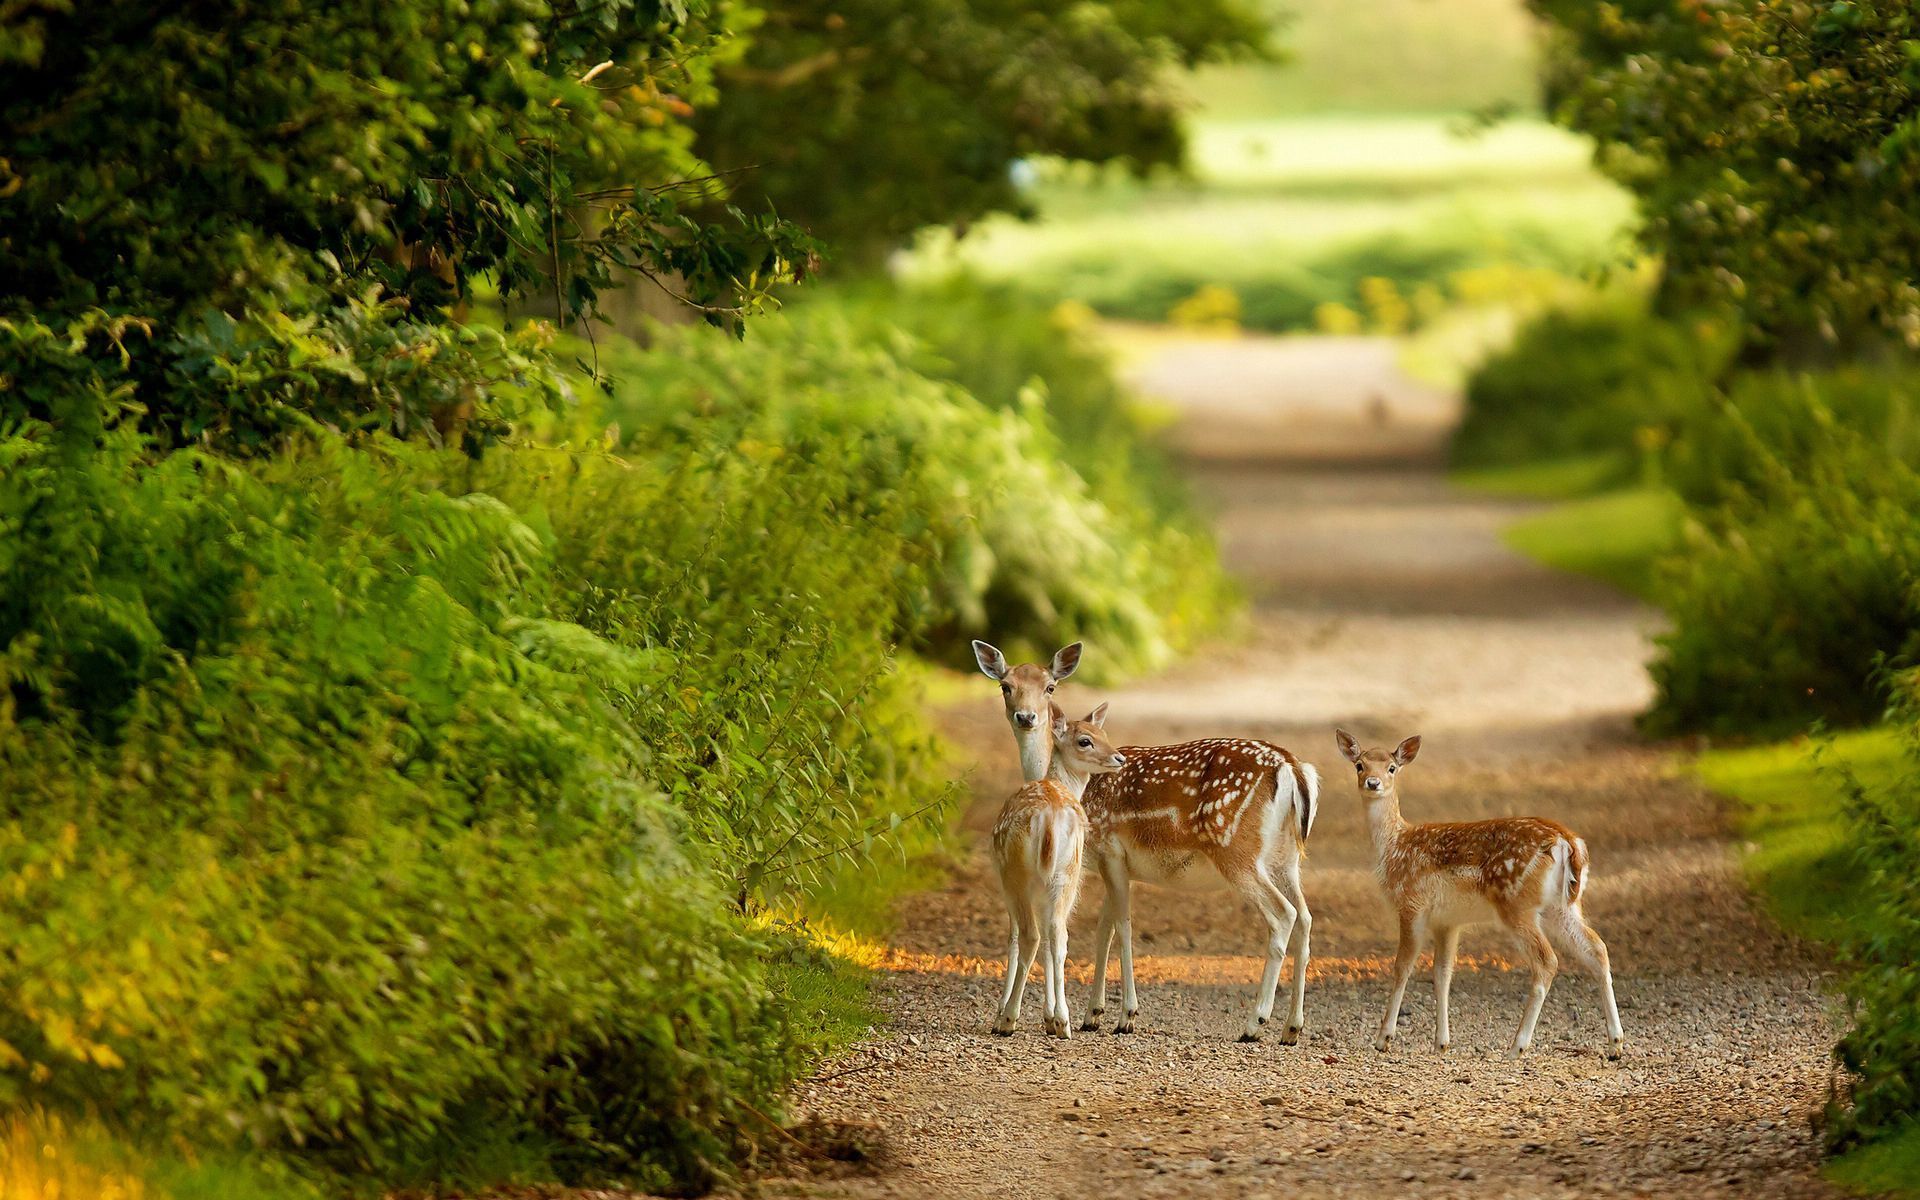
x,y
1037,846
1527,873
1229,812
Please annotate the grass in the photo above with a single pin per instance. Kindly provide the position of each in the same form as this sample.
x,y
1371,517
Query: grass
x,y
1601,529
1293,212
1887,1168
1790,815
1788,810
1557,479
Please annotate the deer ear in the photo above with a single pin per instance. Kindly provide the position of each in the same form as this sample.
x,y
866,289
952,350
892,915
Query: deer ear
x,y
1065,660
1348,746
1098,717
991,661
1404,753
1059,723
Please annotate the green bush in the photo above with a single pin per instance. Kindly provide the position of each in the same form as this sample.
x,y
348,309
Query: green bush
x,y
1019,544
1771,425
1881,1052
359,799
1786,599
1589,381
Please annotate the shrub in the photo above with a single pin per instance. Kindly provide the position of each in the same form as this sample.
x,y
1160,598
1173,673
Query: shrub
x,y
1588,380
1771,425
1019,544
358,799
1786,597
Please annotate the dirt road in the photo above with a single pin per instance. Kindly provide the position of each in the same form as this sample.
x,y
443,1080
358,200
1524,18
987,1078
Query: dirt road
x,y
1381,600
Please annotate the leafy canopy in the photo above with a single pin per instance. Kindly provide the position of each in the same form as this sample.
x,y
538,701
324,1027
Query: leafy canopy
x,y
868,119
295,193
1774,146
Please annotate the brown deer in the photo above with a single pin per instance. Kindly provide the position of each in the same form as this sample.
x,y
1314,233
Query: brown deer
x,y
1037,850
1197,815
1527,873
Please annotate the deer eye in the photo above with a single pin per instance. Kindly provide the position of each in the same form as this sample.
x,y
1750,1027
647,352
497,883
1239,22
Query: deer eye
x,y
1391,770
1006,689
1050,689
1086,743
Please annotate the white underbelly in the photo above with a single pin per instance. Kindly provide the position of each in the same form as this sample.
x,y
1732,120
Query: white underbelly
x,y
1459,906
1185,872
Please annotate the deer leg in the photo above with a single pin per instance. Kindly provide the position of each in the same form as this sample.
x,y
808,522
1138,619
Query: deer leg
x,y
1060,905
1049,970
1446,943
1023,943
1279,914
1545,963
1102,946
1302,924
1404,961
1121,889
1578,941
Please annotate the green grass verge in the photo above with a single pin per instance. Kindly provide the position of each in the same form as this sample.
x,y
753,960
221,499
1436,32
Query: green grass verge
x,y
1559,479
1888,1168
1616,535
1790,814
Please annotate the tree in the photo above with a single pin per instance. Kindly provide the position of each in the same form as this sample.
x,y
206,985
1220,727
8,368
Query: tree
x,y
247,216
1774,147
867,119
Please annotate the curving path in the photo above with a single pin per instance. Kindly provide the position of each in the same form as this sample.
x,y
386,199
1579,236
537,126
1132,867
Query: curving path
x,y
1382,600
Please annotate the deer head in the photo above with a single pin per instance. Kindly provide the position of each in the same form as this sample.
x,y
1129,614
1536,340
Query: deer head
x,y
1027,688
1376,768
1081,747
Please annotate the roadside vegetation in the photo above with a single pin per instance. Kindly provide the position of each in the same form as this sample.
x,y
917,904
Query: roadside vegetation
x,y
1351,187
441,750
1735,442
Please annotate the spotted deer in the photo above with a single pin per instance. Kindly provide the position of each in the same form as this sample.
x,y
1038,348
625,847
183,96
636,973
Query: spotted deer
x,y
1527,873
1037,850
1199,815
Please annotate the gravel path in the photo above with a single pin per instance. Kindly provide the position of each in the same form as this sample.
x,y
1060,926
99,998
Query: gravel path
x,y
1384,601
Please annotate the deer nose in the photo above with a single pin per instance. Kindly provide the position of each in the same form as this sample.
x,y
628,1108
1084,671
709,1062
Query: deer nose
x,y
1373,783
1119,760
1026,720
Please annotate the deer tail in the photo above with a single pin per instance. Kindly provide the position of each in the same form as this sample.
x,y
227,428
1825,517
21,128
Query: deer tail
x,y
1570,856
1298,785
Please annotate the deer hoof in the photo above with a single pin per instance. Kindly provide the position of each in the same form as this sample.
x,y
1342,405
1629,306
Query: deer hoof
x,y
1292,1036
1517,1053
1384,1044
1249,1036
1441,1047
1614,1048
1090,1025
1003,1031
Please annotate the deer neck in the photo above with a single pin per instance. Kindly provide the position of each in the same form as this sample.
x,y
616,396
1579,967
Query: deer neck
x,y
1385,824
1066,777
1036,752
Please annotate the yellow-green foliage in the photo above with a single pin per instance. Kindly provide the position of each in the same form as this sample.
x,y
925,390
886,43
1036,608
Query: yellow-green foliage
x,y
1211,307
1018,544
363,797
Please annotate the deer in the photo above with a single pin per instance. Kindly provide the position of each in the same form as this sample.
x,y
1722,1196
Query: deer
x,y
1037,851
1527,873
1198,815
